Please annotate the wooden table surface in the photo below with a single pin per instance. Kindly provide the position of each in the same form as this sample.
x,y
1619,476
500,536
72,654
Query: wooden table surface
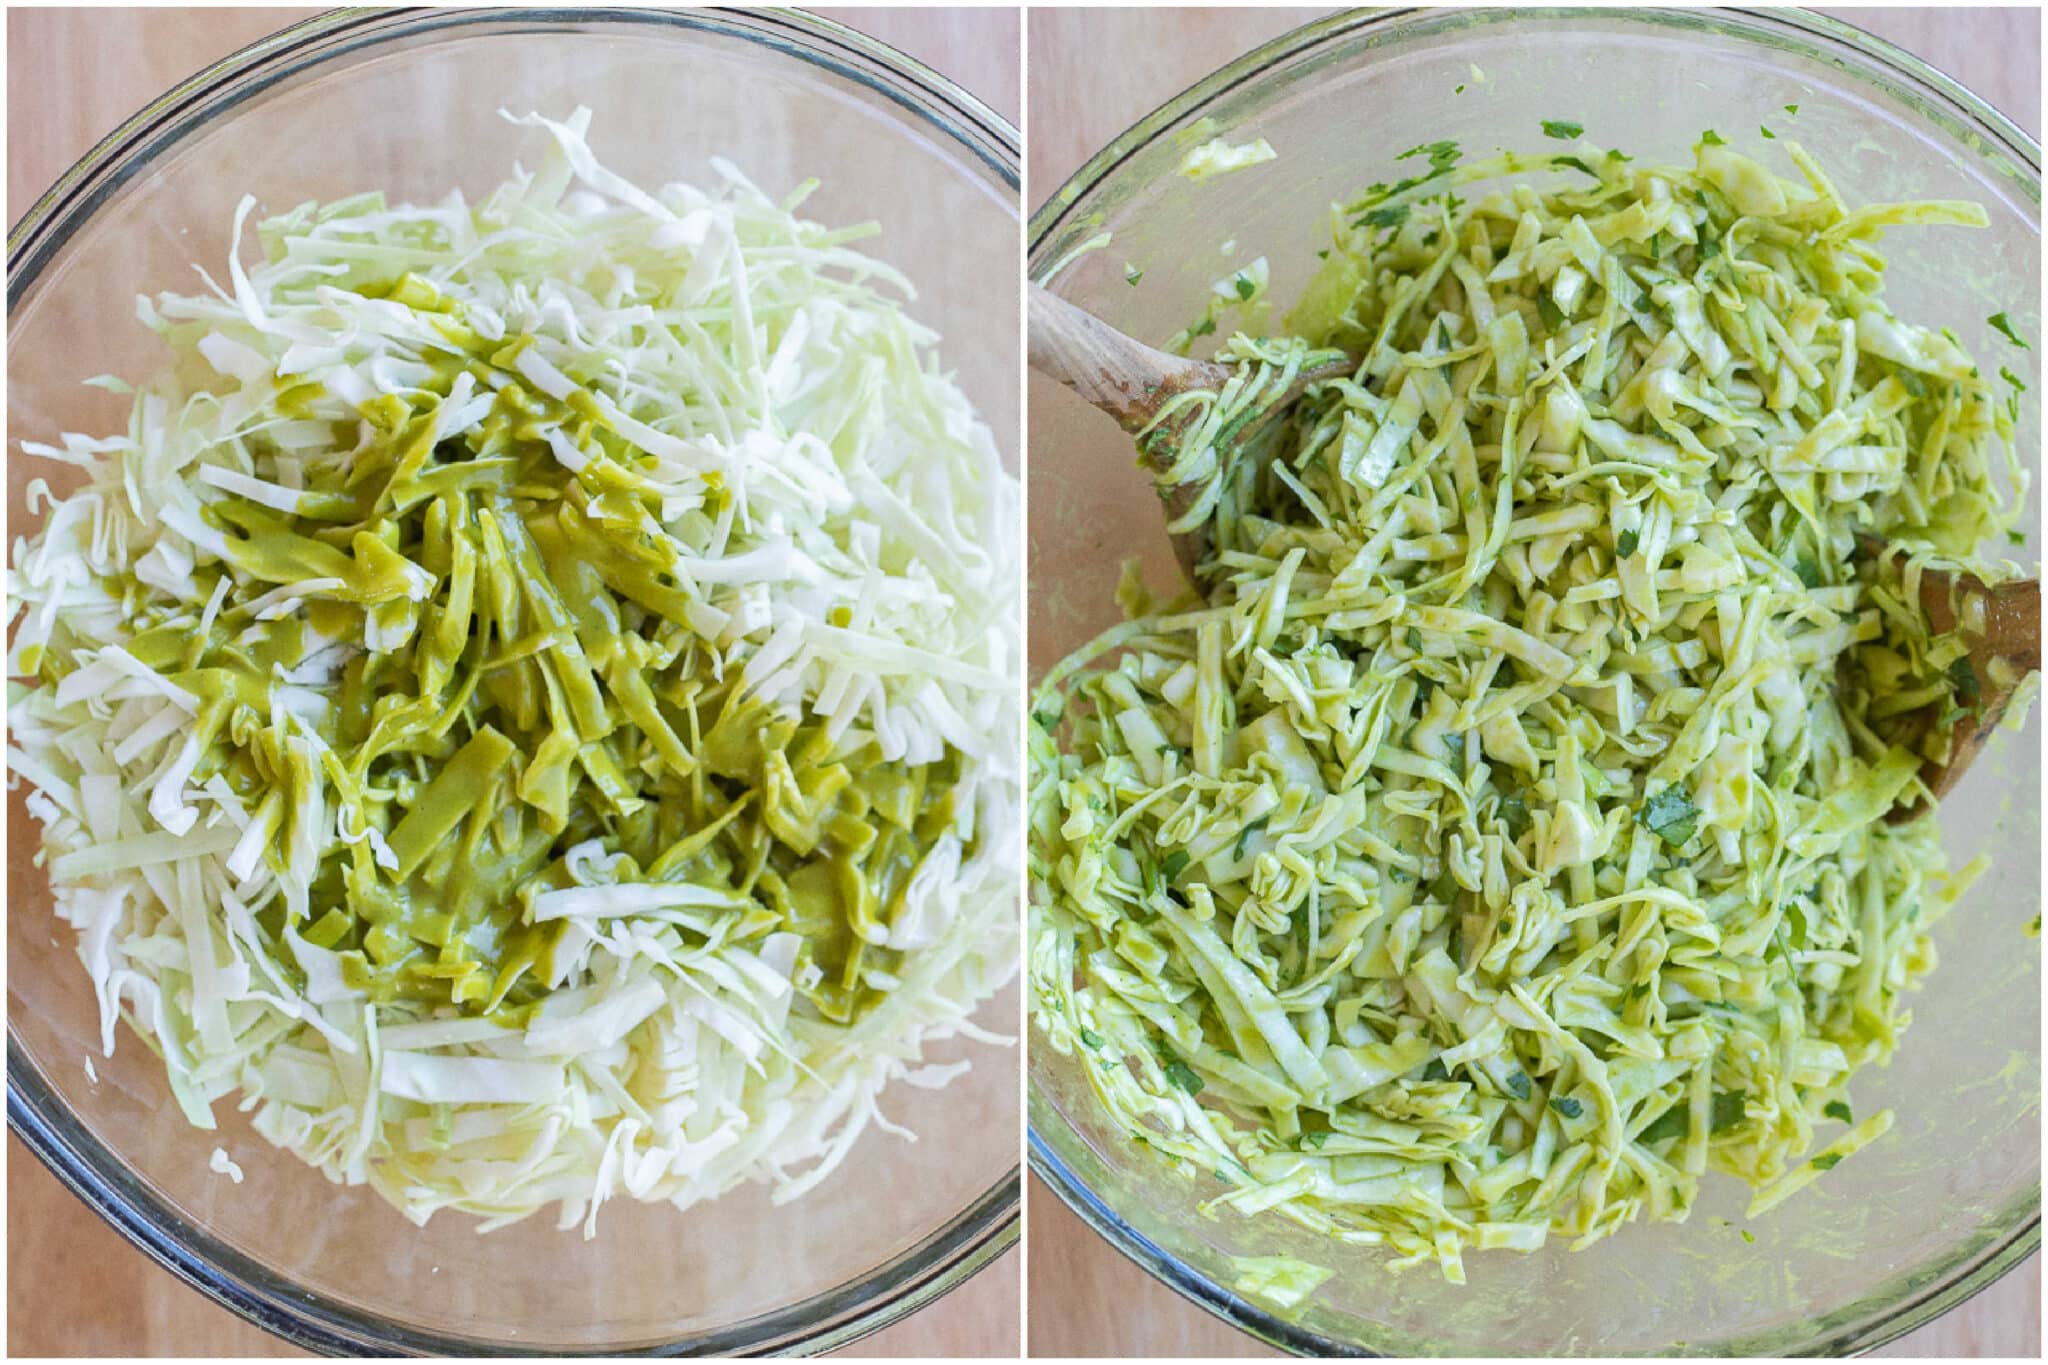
x,y
1095,72
74,1287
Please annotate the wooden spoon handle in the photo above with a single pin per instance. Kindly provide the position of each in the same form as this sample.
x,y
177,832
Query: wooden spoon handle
x,y
2012,622
2011,634
1125,378
2012,615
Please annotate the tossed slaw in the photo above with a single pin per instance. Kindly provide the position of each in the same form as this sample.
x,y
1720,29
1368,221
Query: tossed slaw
x,y
1502,844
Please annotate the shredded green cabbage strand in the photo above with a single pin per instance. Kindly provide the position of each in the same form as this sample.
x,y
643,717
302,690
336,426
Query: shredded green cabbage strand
x,y
529,701
1502,844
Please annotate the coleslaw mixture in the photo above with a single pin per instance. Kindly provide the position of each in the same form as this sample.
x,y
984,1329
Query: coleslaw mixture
x,y
1503,844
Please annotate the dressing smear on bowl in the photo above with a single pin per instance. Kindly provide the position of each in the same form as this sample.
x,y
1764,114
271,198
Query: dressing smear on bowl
x,y
527,706
1503,843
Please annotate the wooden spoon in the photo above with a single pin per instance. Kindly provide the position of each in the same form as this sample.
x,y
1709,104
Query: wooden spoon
x,y
1131,381
2001,656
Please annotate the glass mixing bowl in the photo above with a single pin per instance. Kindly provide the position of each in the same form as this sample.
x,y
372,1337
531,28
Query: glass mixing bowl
x,y
408,103
1948,1201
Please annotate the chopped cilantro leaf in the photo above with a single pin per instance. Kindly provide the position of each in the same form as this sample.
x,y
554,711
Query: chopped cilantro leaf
x,y
1728,1109
1711,138
1132,274
1090,1038
1627,543
1671,815
2003,324
1568,1107
1244,287
1673,1122
1442,156
1563,130
1962,675
1827,1161
1518,1085
1175,864
1839,1110
1182,1076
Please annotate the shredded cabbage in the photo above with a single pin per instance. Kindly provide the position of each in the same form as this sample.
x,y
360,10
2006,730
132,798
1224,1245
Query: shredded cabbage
x,y
1503,844
529,702
1217,157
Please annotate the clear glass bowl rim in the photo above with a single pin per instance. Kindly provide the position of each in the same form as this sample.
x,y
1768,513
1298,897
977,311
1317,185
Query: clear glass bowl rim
x,y
1873,1320
976,1235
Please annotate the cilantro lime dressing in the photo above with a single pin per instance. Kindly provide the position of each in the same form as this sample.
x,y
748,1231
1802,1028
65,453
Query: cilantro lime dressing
x,y
1503,845
525,702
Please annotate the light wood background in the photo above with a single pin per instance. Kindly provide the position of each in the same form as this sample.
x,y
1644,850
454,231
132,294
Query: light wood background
x,y
1093,73
74,1286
